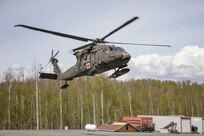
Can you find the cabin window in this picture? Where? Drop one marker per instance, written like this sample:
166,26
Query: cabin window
90,57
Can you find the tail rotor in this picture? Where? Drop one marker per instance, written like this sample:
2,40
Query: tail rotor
52,57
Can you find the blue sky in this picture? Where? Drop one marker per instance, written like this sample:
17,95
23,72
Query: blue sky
179,23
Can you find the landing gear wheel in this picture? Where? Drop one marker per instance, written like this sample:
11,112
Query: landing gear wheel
64,86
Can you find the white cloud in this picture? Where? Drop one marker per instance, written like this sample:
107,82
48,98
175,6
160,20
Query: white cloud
16,66
187,64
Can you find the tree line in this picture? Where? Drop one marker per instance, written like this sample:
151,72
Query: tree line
32,103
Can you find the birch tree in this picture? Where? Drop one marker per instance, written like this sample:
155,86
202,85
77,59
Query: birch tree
102,104
130,102
9,79
36,70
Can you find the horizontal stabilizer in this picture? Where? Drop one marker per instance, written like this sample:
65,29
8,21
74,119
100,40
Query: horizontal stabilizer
48,76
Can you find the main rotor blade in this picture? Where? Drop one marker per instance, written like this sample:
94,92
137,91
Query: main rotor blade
84,46
138,44
56,33
120,27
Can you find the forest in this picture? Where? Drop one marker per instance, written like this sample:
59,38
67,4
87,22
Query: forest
32,103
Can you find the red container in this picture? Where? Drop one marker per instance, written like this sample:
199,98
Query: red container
138,121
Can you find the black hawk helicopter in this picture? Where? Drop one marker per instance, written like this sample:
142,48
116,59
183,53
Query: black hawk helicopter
93,58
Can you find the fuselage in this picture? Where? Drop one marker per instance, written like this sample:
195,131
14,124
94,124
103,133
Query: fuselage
101,59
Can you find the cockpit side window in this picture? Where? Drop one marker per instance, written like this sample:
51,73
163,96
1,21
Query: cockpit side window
111,49
121,49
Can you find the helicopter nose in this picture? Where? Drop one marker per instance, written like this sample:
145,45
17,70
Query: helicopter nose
126,56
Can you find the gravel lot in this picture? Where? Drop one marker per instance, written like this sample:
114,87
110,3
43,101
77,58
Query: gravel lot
77,133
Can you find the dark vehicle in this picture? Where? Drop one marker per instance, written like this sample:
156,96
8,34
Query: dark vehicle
194,129
146,128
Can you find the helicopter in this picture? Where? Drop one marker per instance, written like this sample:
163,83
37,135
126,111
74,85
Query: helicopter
93,58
